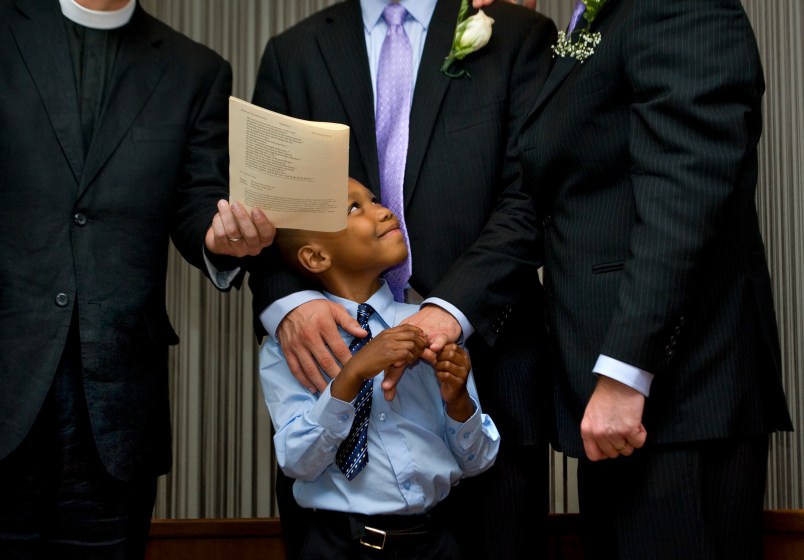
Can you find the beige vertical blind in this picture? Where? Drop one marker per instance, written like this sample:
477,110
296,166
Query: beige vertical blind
223,465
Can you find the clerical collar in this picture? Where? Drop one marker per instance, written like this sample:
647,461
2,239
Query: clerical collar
96,19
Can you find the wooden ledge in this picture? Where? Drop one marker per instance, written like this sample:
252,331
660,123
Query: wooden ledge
261,538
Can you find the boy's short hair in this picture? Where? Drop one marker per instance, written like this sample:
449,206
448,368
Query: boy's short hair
288,242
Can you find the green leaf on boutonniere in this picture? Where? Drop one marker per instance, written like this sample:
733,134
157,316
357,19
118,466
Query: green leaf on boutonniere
471,34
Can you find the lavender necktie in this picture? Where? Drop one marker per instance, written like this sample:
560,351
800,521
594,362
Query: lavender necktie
352,454
580,8
394,78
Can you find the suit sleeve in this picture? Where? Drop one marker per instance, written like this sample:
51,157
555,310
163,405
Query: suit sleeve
504,260
202,179
269,277
696,83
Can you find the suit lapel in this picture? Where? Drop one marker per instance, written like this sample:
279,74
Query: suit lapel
137,70
343,48
564,66
561,69
431,86
42,42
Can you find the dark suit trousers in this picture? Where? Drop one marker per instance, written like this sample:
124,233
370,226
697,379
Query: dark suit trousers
502,513
694,501
57,499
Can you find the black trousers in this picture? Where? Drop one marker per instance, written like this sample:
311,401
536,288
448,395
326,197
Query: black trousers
56,499
337,536
695,501
501,513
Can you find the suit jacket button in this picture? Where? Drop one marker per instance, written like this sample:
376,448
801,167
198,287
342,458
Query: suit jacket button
547,221
62,300
669,351
80,219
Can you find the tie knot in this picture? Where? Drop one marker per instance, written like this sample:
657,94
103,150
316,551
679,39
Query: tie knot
364,311
394,14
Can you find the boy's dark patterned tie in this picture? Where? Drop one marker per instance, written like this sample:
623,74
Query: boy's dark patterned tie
352,454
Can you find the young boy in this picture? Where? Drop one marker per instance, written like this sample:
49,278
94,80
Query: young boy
421,438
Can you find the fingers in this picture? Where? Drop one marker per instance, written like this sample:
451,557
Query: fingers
612,422
312,382
236,232
347,322
392,376
309,338
441,327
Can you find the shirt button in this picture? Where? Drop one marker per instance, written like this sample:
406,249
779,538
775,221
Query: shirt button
80,219
406,485
343,417
382,417
62,300
466,435
471,456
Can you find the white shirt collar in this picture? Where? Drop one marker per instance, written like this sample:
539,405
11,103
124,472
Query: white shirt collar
420,10
96,19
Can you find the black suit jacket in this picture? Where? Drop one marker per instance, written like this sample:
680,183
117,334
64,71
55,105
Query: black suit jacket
471,226
644,158
90,234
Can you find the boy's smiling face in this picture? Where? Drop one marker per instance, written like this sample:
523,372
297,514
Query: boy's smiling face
372,238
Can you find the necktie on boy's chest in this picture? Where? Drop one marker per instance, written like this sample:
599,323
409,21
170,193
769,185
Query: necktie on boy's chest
352,454
394,83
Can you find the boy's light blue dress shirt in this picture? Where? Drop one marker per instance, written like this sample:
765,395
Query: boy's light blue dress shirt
416,452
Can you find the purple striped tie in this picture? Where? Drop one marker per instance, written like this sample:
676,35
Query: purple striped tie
394,78
580,8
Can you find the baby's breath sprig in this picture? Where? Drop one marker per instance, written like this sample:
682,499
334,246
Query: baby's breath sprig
584,43
582,48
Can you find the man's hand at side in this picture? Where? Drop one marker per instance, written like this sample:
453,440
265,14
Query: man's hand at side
612,423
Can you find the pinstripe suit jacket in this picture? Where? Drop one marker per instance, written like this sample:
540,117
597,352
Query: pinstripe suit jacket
471,227
645,162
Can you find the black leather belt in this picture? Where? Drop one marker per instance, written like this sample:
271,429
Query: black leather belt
382,531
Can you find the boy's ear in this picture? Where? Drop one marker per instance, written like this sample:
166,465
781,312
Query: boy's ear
314,258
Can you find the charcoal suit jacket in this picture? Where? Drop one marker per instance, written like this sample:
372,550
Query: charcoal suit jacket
644,161
472,230
89,234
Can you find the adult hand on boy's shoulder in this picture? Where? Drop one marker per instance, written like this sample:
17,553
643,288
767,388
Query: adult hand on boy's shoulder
452,367
392,348
310,340
440,327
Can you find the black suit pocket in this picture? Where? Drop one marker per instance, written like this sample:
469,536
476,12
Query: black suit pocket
603,268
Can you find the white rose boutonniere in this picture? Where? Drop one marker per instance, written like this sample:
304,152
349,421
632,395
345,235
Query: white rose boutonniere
471,34
584,43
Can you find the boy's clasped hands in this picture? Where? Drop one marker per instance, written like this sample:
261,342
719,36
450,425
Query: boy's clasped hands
395,348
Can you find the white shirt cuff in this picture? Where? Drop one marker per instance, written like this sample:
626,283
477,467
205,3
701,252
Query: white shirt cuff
626,374
221,278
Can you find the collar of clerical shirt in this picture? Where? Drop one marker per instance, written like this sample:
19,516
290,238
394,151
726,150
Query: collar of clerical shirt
97,19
